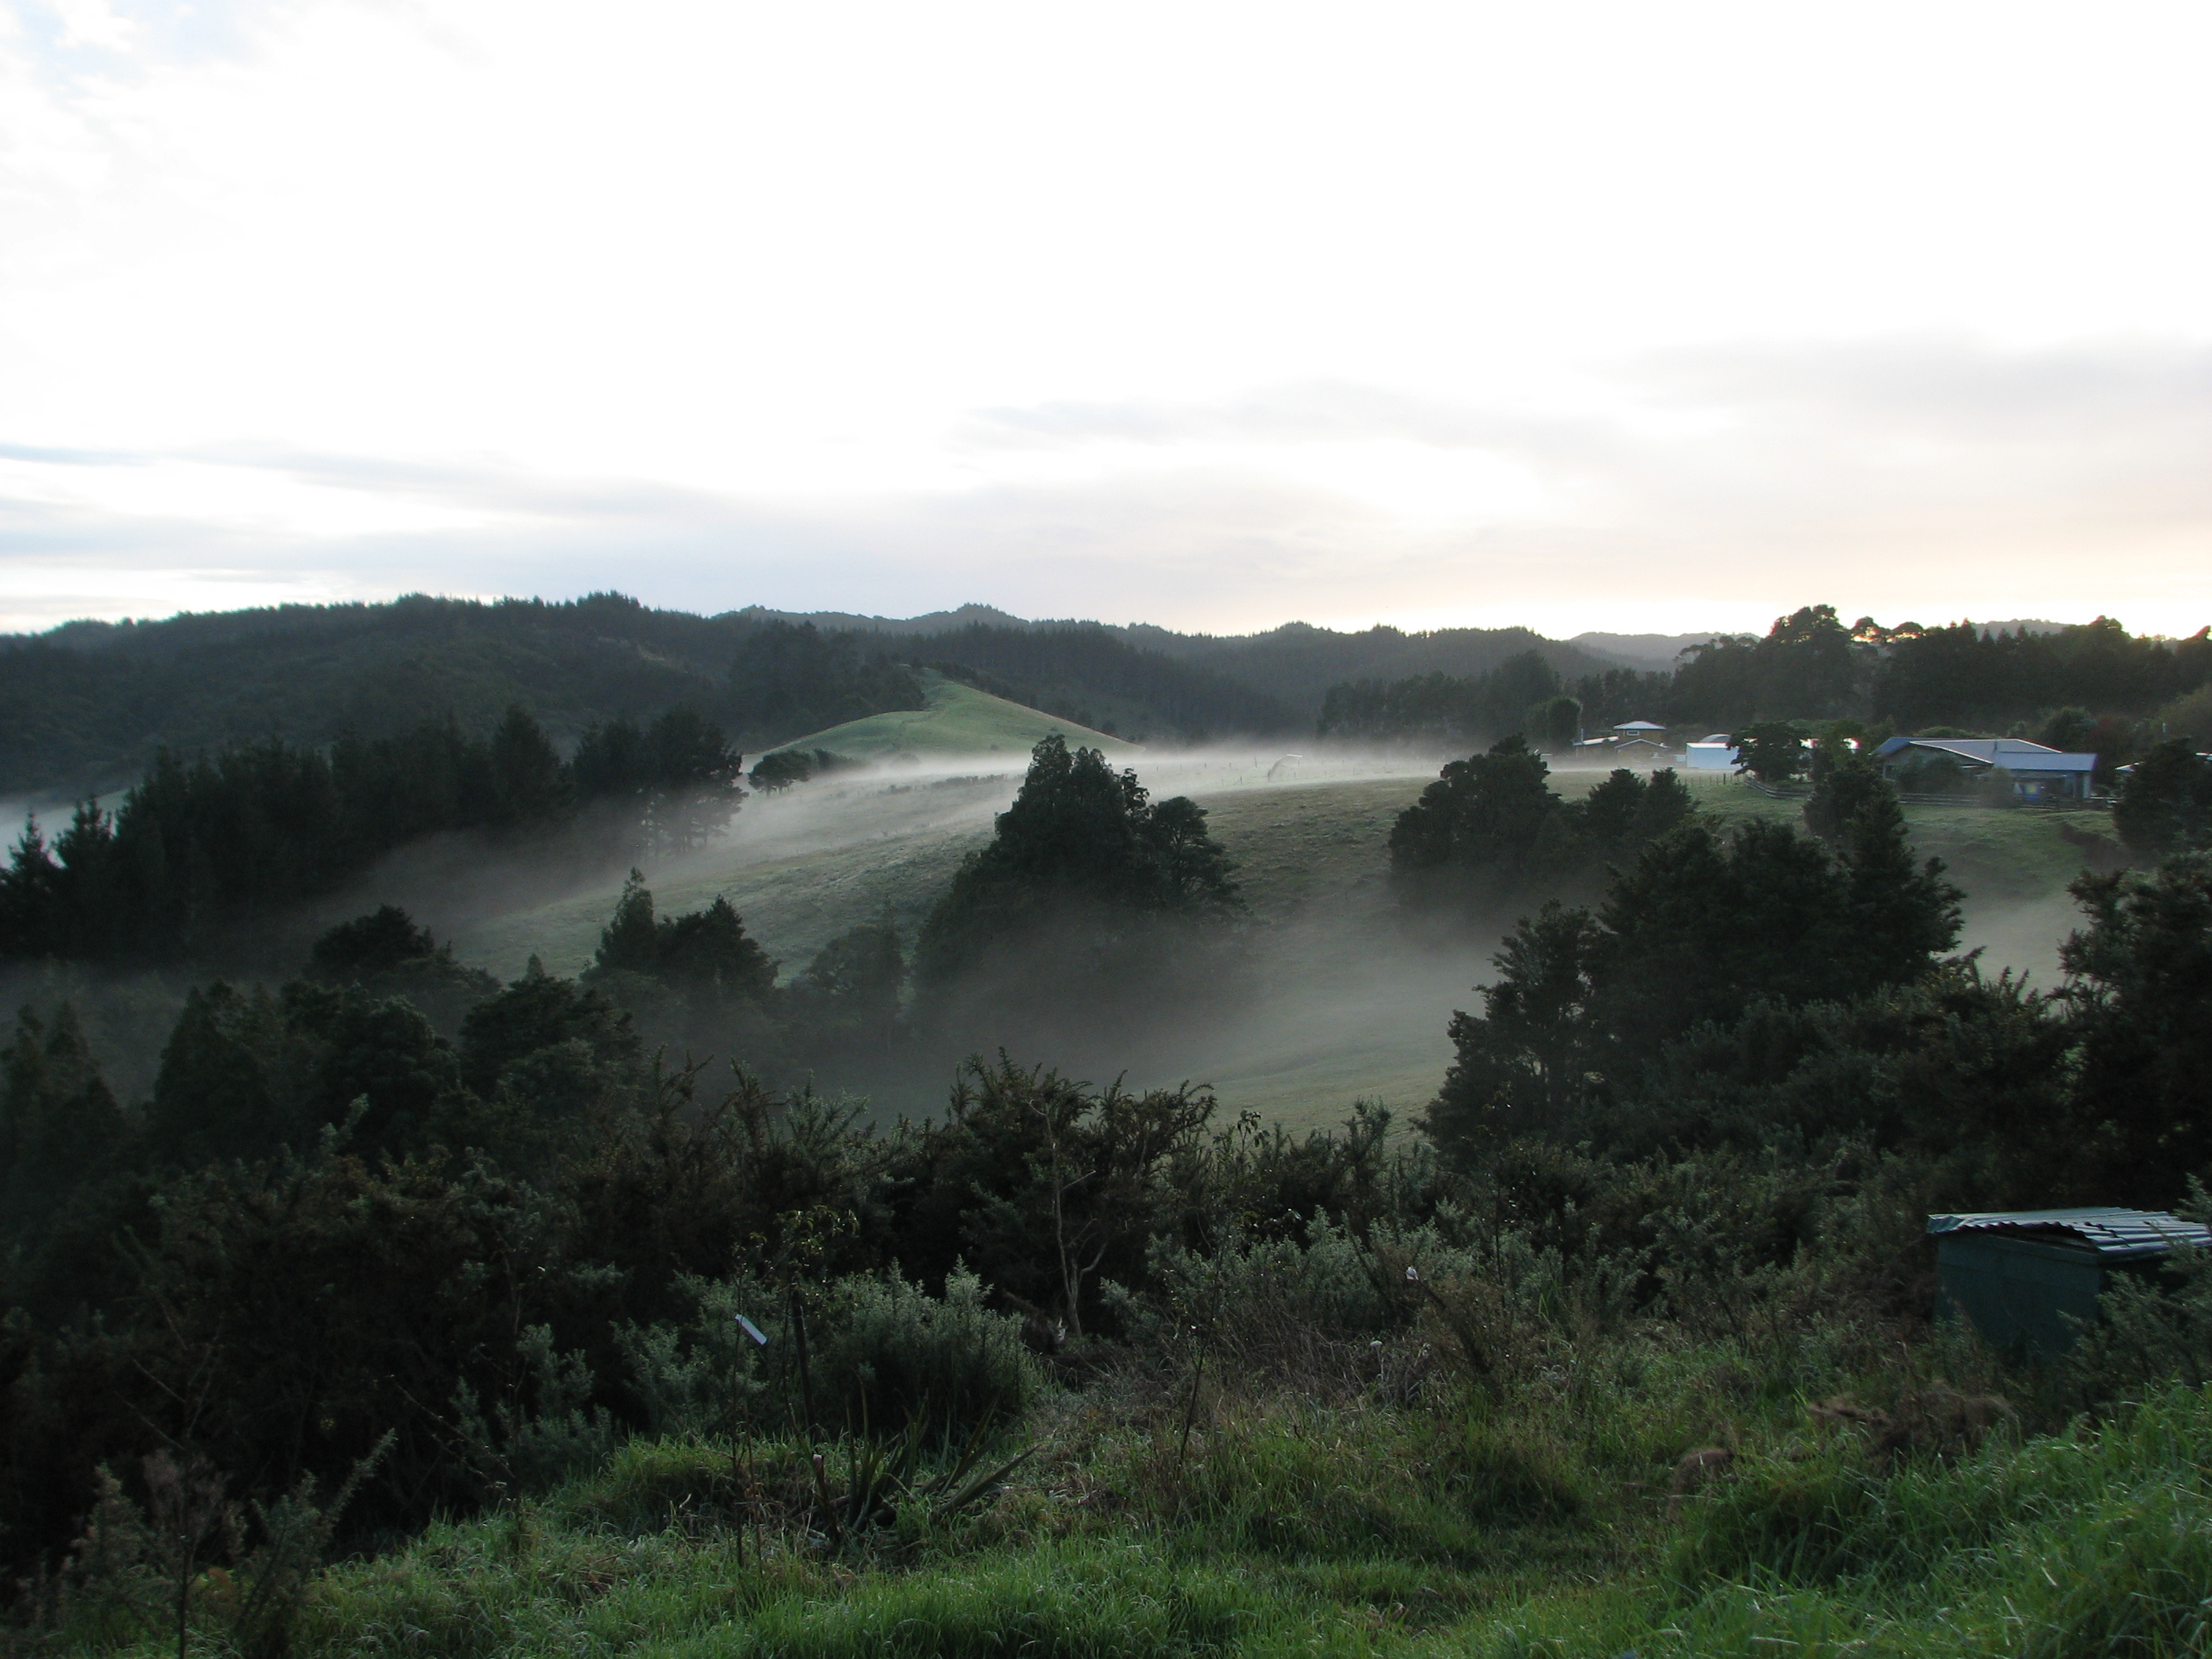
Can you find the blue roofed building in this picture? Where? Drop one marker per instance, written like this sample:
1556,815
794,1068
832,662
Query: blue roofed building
2034,771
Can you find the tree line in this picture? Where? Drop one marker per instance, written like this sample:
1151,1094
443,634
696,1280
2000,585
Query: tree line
1810,666
2086,686
203,848
92,703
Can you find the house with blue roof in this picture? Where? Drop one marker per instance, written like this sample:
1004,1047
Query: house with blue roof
2035,771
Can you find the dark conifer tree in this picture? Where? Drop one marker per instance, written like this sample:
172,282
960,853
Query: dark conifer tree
1700,930
527,779
1626,812
851,989
1845,783
2140,989
60,1127
2165,801
537,1013
221,1093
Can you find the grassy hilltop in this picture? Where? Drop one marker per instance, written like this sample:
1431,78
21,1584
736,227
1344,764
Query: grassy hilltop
959,719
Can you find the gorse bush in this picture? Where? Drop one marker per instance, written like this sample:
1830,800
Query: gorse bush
884,1358
890,1357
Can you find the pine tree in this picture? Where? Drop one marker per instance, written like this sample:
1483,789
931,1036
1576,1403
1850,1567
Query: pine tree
527,782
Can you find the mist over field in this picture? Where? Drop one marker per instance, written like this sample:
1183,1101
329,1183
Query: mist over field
1328,994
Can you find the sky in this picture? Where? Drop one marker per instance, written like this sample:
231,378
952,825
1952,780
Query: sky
1621,317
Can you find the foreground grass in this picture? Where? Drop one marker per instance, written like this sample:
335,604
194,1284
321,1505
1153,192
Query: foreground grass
1150,1519
1289,1528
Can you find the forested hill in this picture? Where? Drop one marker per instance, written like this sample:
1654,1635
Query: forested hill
1299,663
92,704
1293,665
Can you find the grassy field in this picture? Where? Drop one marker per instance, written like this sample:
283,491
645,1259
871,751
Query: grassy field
1351,1008
958,721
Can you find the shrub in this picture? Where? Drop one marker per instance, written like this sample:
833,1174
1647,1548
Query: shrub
886,1354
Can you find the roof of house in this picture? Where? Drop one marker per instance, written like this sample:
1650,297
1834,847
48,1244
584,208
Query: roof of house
1639,726
2009,753
2116,1234
2053,762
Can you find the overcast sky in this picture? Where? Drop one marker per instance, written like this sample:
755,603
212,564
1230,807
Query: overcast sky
1643,318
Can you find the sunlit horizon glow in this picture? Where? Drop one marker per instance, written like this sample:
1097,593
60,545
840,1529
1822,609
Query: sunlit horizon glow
1582,317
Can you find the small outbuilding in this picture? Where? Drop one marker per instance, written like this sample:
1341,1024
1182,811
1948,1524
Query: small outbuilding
1632,740
2029,1280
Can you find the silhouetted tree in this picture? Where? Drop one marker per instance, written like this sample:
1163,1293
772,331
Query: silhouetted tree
2164,804
1845,783
1490,819
850,991
701,951
1693,934
1627,811
1773,751
1078,836
2139,985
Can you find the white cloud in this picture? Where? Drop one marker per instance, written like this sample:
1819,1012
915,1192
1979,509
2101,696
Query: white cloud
94,23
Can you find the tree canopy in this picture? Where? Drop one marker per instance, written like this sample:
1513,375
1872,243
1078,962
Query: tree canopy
1697,931
1079,836
1490,827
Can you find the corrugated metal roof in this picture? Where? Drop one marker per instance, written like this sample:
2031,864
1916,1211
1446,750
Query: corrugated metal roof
2052,762
2117,1235
1980,748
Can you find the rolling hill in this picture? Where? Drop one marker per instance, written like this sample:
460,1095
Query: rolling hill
958,719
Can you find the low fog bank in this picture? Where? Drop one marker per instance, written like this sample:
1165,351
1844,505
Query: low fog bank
1322,997
1333,1000
1334,1009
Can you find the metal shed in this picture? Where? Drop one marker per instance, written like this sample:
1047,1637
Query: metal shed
2025,1276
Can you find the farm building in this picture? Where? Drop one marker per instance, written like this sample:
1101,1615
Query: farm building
1630,740
1716,752
2034,771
